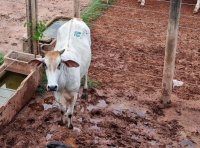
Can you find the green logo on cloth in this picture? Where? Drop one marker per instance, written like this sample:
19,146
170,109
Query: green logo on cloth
77,34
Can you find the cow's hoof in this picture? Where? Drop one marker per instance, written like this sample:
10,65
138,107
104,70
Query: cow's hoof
195,12
70,126
85,94
61,123
141,5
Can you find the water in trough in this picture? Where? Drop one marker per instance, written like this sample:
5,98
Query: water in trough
9,83
51,31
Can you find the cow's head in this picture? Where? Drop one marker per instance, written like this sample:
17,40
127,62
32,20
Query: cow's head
53,64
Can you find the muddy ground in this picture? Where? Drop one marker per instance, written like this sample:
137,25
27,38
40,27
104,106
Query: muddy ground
128,45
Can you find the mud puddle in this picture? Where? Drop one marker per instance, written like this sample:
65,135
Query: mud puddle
95,124
100,104
47,103
134,137
153,142
121,108
188,143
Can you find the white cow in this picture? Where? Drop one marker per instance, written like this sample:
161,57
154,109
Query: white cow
67,64
197,6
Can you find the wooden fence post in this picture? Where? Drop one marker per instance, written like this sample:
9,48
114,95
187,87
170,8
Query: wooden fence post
31,14
170,50
28,19
76,12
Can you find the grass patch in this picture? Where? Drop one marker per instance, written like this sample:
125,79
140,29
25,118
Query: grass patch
41,89
94,9
1,58
91,83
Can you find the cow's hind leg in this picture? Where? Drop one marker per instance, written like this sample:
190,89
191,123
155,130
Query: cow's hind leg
62,111
85,88
142,2
197,6
70,110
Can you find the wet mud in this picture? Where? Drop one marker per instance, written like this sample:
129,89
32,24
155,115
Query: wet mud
125,111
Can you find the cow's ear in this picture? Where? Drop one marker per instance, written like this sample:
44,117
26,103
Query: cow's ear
70,63
36,62
62,51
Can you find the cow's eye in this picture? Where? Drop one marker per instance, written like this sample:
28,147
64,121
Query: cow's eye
59,65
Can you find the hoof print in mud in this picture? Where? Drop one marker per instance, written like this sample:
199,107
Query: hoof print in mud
96,113
31,120
85,94
167,105
61,123
57,144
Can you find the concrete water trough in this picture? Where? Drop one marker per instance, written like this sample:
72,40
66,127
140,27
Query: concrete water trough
48,42
18,82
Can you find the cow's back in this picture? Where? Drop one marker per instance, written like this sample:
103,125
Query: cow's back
74,37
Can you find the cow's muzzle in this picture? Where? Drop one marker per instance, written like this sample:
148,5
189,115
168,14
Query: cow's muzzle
52,87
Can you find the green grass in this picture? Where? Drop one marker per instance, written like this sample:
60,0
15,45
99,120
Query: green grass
42,84
94,9
91,83
1,58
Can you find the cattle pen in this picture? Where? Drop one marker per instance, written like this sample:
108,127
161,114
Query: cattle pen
128,52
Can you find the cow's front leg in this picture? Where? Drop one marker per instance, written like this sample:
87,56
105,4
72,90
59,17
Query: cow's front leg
62,105
62,111
70,110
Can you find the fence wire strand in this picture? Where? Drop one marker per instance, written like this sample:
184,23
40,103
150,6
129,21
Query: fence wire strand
133,30
141,21
145,10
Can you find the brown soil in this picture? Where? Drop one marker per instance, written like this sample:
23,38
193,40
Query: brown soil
125,111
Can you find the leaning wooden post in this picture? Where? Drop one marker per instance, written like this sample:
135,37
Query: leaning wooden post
28,19
31,11
76,12
170,50
34,23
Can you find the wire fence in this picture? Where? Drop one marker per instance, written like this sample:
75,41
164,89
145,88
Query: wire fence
141,21
146,10
139,29
110,35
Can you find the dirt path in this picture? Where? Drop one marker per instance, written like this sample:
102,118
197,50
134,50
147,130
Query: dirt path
125,111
